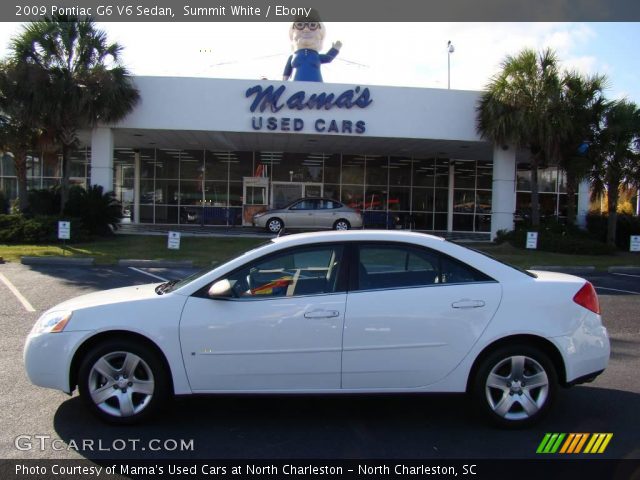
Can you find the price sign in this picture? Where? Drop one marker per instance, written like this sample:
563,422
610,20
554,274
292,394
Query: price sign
173,242
532,240
64,230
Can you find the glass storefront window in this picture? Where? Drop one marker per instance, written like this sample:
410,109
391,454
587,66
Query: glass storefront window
423,172
167,164
191,165
399,198
399,171
52,165
215,194
215,166
353,169
240,165
377,171
484,177
332,169
191,192
423,199
442,173
8,167
464,201
351,196
167,192
442,200
464,174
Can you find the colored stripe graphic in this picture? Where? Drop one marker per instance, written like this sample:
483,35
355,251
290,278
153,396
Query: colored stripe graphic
574,443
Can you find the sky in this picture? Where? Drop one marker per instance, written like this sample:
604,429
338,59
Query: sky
396,54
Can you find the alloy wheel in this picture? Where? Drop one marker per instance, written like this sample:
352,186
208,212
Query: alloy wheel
121,384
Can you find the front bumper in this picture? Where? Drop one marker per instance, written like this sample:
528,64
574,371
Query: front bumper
47,358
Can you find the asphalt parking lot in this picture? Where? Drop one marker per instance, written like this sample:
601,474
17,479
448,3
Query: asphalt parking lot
41,423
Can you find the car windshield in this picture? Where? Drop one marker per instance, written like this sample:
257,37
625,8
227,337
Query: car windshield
176,284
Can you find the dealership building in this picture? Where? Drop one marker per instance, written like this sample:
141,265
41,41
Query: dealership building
213,152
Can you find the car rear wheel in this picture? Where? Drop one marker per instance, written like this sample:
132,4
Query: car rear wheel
515,386
274,225
123,382
342,224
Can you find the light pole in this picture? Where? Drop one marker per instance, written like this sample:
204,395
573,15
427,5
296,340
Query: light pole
450,50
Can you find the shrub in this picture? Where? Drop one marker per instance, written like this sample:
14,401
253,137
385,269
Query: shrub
39,229
99,212
4,204
44,202
559,238
626,226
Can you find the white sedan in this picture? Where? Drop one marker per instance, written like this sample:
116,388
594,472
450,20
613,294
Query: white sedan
332,312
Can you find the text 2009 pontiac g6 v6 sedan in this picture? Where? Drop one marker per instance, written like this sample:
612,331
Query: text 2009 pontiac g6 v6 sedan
333,312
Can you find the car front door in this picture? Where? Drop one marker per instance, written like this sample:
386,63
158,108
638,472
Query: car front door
412,317
280,329
302,214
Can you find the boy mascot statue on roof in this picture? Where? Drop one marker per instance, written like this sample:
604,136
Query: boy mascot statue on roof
306,35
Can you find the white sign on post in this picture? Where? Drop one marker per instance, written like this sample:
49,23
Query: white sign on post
174,241
64,230
634,244
532,240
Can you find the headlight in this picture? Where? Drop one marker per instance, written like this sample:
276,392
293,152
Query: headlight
51,322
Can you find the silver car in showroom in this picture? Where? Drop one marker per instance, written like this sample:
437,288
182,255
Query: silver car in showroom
310,213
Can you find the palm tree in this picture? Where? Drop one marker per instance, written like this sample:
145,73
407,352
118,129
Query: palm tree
518,107
617,145
19,132
579,114
85,83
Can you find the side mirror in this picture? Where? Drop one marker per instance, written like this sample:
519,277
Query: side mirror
220,289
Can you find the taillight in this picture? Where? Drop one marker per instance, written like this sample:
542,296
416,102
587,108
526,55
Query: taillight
587,298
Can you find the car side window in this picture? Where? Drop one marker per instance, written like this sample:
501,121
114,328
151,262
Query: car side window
305,205
383,266
398,266
301,271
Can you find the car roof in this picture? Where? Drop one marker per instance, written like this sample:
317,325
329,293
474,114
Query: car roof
359,235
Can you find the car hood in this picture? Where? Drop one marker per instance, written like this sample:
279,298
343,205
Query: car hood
106,297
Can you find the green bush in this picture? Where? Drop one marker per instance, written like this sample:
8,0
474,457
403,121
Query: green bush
44,201
99,212
558,238
4,204
626,226
39,229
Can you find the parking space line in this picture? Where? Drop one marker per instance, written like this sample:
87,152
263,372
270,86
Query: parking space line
626,275
149,274
618,290
25,303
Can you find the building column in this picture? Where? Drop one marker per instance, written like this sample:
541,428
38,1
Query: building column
503,195
102,158
584,197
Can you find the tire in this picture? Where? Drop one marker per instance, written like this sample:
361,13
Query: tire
274,225
342,224
512,399
119,393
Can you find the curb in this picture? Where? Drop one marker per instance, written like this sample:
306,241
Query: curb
560,269
55,260
629,270
156,263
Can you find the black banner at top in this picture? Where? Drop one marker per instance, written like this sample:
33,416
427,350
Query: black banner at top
330,10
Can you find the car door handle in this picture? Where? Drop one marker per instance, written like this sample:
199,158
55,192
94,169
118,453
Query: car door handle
321,314
468,304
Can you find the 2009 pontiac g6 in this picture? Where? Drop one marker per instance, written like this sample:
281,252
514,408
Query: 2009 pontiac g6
332,312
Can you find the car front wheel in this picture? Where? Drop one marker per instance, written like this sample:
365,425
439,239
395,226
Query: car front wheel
123,382
274,225
515,386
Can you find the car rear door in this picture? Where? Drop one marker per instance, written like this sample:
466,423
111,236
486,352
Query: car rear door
412,316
